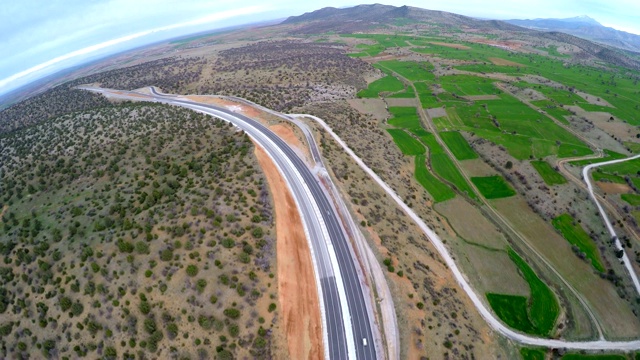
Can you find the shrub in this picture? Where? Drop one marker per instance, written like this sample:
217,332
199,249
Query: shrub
232,313
192,270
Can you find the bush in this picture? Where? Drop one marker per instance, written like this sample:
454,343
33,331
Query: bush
232,313
192,270
166,255
65,303
77,309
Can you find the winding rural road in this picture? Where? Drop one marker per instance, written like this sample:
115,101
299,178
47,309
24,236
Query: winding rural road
605,218
347,325
484,311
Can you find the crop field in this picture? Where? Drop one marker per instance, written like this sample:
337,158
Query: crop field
466,85
458,145
512,309
407,144
438,190
575,234
610,155
549,174
408,93
405,117
410,70
631,199
493,187
386,84
598,175
631,167
425,94
442,164
536,315
515,126
532,354
577,356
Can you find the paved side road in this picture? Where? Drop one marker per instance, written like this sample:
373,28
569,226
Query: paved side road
605,217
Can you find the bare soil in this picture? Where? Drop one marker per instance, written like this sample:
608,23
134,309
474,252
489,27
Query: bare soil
503,62
286,133
374,107
593,99
450,45
470,224
614,188
602,120
297,291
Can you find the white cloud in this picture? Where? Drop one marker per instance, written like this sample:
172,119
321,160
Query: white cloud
51,65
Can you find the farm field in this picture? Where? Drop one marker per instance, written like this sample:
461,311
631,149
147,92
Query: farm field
549,174
404,117
386,84
631,199
407,144
575,234
438,190
536,315
493,187
458,145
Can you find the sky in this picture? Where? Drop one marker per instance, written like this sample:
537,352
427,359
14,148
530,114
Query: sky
41,37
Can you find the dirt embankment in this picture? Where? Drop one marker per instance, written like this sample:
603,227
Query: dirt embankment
297,291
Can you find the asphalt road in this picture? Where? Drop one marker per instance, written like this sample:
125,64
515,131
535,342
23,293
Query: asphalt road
346,321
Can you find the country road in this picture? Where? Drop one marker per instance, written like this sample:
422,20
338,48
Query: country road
484,311
605,217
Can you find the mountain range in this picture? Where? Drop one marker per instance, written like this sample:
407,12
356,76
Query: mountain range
584,27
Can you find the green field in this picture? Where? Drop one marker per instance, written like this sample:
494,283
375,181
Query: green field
386,84
407,144
410,70
598,175
458,145
438,191
512,309
532,354
536,315
632,199
493,187
594,357
609,155
575,234
467,85
442,163
549,174
631,167
404,117
425,94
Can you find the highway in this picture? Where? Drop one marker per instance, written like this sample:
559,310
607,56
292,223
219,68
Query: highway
347,325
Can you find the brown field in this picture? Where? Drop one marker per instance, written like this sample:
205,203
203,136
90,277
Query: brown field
616,128
297,292
482,97
503,62
477,167
437,112
374,107
470,224
614,188
613,313
402,102
593,99
450,45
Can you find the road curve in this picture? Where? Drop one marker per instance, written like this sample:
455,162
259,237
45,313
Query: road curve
605,217
489,317
346,322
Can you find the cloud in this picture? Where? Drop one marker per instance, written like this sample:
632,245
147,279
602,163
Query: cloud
49,66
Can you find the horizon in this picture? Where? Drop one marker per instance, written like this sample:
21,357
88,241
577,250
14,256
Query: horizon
109,28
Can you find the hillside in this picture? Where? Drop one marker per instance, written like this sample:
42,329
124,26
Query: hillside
584,27
119,240
368,17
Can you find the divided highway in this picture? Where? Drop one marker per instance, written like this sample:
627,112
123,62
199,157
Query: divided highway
347,325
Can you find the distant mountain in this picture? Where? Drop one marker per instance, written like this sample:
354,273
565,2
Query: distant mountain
587,28
367,17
